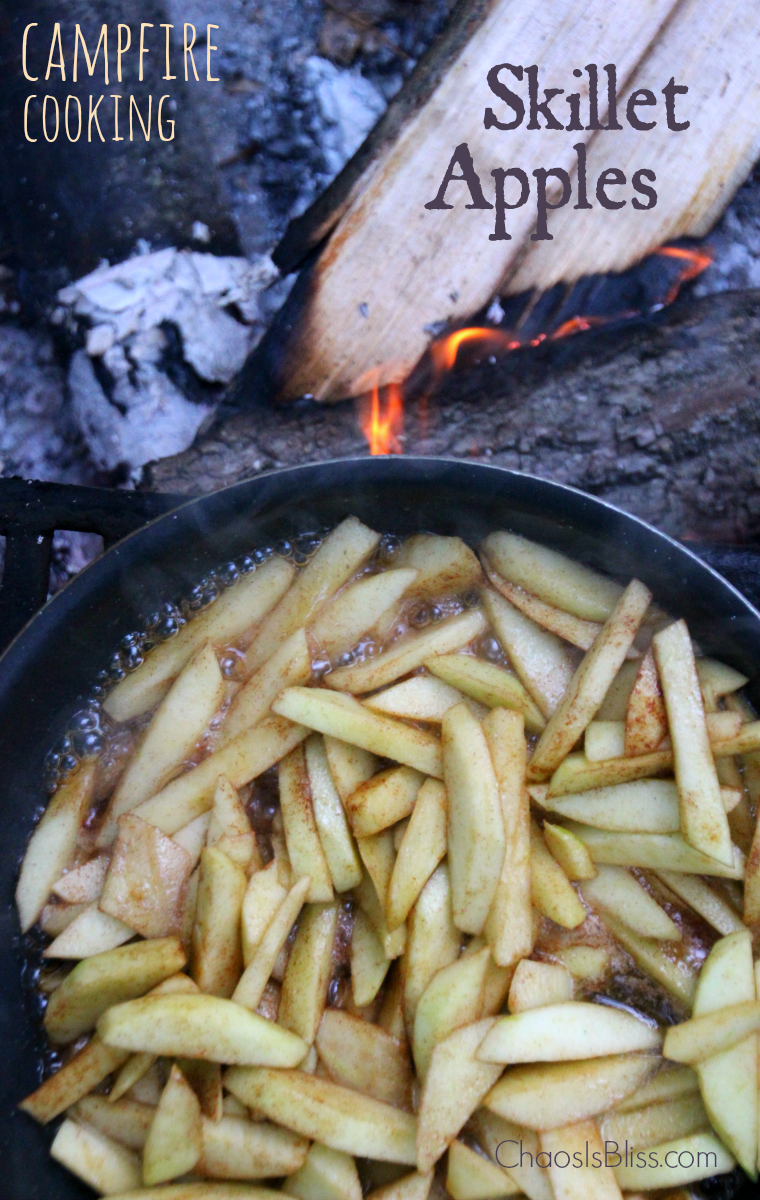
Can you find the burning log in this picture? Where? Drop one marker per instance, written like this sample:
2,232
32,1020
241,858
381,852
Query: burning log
398,264
661,417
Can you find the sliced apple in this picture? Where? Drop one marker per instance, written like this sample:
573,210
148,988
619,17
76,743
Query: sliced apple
562,1032
552,1095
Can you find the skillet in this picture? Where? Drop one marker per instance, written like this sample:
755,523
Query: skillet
49,669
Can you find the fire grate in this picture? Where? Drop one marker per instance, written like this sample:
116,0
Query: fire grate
31,512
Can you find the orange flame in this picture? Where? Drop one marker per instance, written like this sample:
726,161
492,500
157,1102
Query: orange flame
383,416
383,421
696,261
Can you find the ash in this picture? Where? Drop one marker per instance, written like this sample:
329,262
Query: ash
736,242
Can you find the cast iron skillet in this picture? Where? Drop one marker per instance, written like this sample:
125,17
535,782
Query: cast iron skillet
47,671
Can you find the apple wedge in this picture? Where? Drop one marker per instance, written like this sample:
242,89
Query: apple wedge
229,829
729,1080
551,890
325,1175
562,1032
570,628
388,797
503,1142
237,1148
589,684
349,765
604,740
421,698
646,719
147,879
661,1167
253,981
343,717
654,851
433,941
52,843
175,1138
454,997
289,666
444,565
552,1095
643,806
126,1121
409,654
341,554
540,658
217,959
509,924
264,895
307,975
552,576
617,892
488,684
472,1176
456,1082
170,739
536,984
703,816
567,849
656,1123
365,1057
358,609
422,848
334,834
704,900
369,966
337,1117
594,1180
241,760
76,1078
110,978
476,826
221,624
91,932
99,1161
301,833
199,1026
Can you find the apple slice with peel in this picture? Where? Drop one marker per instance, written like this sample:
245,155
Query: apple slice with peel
175,1138
565,1032
455,1085
552,1095
472,1176
729,1081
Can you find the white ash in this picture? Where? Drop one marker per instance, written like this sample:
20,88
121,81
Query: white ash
736,243
349,105
187,289
138,391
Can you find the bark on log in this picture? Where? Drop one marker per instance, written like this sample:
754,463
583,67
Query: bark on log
392,269
661,418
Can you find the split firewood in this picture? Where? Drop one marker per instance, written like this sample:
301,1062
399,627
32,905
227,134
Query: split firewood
393,271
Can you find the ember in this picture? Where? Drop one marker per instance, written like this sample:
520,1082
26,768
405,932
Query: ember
382,409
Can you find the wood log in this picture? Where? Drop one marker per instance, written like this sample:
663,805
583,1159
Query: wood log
392,271
661,417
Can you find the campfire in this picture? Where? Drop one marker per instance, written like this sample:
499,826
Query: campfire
381,412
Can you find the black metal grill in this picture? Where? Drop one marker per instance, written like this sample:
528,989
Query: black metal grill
31,512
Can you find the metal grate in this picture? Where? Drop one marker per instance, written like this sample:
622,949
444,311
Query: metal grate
31,512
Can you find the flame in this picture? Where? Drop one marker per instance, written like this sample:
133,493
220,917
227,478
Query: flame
383,421
696,261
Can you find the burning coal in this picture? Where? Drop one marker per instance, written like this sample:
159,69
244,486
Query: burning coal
531,320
